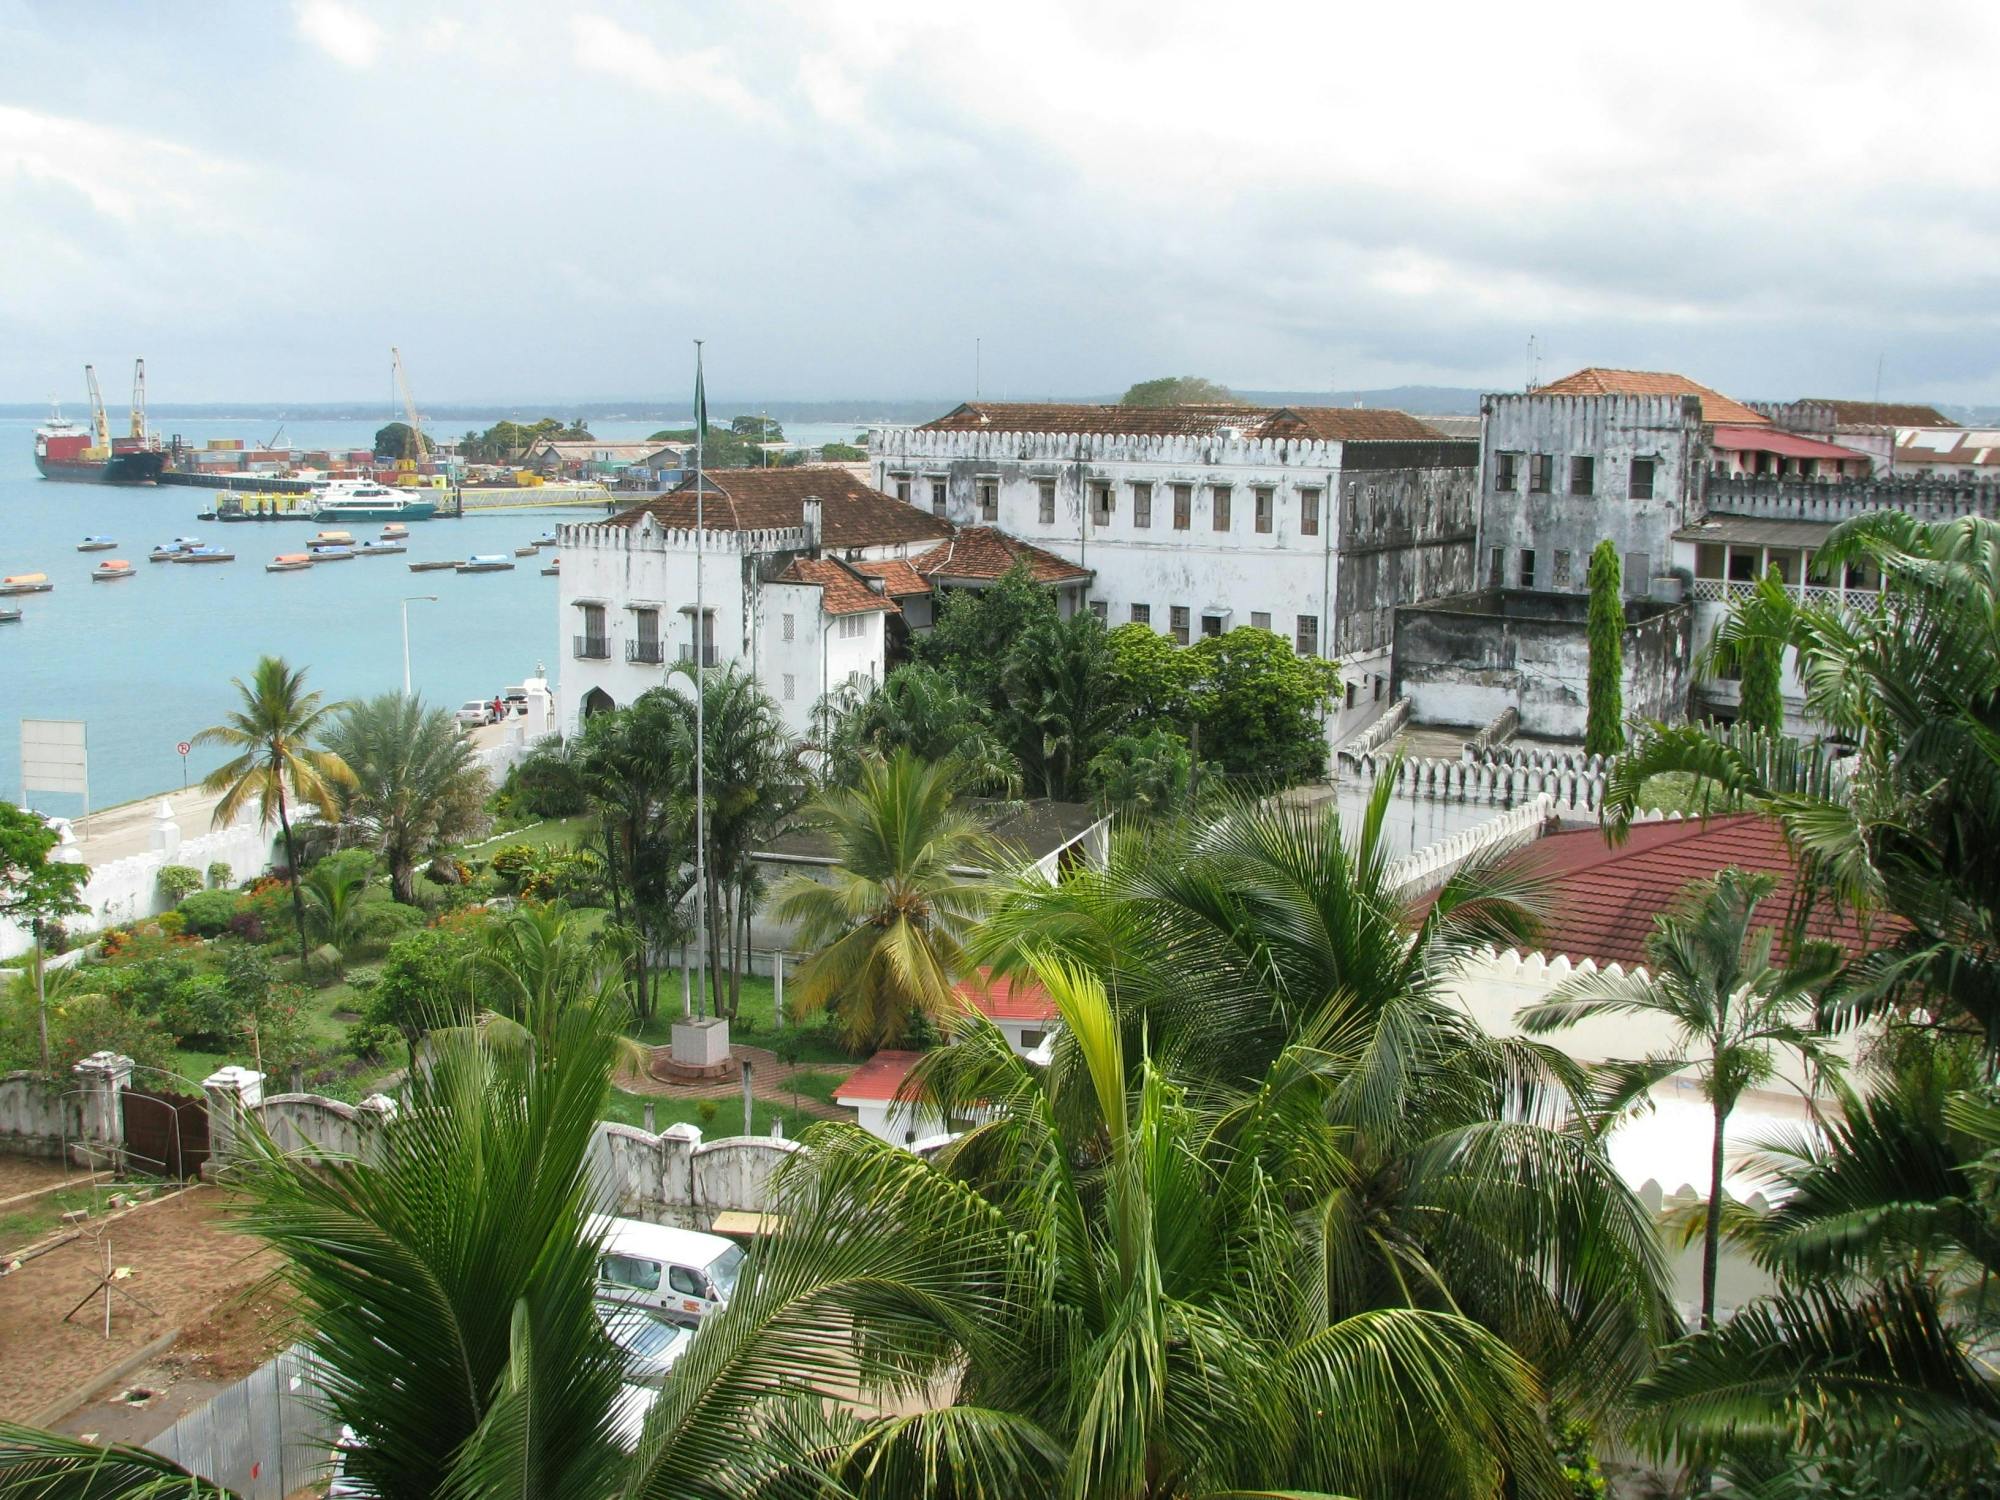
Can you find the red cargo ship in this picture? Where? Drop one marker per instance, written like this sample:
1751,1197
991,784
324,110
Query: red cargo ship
63,451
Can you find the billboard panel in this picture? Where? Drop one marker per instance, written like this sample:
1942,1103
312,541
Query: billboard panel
54,758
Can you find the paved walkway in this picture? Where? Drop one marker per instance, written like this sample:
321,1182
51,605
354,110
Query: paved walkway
127,829
770,1080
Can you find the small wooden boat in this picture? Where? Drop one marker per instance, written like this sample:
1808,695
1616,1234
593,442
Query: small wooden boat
205,555
331,539
437,567
289,562
10,617
395,531
527,551
487,562
333,554
34,583
383,548
95,544
554,568
546,539
104,572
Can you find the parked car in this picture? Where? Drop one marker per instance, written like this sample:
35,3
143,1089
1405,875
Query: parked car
476,713
650,1344
677,1274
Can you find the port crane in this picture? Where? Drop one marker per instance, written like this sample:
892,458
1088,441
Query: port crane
100,429
139,400
416,423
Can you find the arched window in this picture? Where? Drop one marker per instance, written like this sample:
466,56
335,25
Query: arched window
596,702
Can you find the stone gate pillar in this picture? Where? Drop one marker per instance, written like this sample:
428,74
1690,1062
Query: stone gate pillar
231,1091
103,1078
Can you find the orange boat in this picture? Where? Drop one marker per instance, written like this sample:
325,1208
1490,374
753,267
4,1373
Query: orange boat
289,562
117,567
25,583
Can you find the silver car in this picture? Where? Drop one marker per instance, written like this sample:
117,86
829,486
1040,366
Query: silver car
650,1345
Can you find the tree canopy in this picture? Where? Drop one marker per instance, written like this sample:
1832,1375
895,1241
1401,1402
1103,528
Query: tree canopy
399,440
1179,390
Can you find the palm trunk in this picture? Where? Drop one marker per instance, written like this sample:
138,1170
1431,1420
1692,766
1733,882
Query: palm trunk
1711,1242
298,891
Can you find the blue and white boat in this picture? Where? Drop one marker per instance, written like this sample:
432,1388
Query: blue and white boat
487,562
96,544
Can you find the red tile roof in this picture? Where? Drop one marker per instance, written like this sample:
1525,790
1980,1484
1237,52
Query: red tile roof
852,514
1005,998
900,580
1715,407
1604,898
1881,413
984,553
1338,424
1788,444
879,1079
842,590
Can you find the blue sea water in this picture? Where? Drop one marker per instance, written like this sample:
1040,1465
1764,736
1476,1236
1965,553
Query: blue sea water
147,661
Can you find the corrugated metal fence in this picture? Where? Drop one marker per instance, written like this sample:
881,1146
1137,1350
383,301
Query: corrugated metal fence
264,1437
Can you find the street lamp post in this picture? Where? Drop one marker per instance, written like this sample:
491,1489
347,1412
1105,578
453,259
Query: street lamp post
408,600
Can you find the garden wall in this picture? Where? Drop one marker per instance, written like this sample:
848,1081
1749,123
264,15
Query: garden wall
677,1178
37,1117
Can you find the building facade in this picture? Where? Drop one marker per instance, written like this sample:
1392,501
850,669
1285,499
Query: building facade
783,592
1309,522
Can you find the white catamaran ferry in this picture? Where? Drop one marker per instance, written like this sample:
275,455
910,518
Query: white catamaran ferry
365,500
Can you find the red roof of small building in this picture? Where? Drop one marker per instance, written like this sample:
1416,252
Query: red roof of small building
1596,381
878,1080
1335,424
1603,898
984,553
852,514
1786,444
899,579
1006,998
841,590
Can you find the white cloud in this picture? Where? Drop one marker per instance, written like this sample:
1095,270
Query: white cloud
603,46
122,174
341,32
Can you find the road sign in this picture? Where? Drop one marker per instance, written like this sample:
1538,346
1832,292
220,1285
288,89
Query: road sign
184,747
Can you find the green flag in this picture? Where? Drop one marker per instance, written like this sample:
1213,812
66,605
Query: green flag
700,396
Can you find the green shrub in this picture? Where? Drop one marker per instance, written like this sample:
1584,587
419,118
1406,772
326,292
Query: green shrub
172,923
372,1041
79,1024
707,1109
202,1012
421,983
514,866
207,913
390,919
175,881
219,875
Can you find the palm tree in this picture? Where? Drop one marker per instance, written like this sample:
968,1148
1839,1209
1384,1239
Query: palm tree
1898,808
1181,1302
537,963
274,730
1730,1006
416,786
890,924
1063,699
920,709
333,894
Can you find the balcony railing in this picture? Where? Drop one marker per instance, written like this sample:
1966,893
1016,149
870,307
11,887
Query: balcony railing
1727,591
650,652
592,648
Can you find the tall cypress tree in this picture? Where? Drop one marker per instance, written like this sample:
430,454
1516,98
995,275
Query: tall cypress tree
1759,704
1604,729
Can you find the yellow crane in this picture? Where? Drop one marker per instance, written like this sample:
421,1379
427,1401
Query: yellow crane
99,427
408,464
139,399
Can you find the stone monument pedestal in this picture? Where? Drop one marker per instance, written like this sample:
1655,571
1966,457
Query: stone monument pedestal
700,1050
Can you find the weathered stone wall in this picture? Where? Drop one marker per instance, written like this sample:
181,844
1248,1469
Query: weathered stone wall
37,1117
313,1124
676,1178
1464,660
1406,536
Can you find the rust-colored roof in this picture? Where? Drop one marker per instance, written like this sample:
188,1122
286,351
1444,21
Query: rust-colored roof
1006,999
985,552
852,514
1786,444
899,579
1604,897
1595,381
879,1079
1346,424
842,591
1324,423
1881,413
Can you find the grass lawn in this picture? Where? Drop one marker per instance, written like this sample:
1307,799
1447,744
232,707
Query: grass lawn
754,1023
550,833
27,1223
1678,791
630,1109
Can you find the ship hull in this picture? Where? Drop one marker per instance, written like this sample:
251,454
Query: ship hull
121,468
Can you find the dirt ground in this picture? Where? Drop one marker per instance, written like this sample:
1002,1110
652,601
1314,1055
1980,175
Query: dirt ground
26,1174
183,1265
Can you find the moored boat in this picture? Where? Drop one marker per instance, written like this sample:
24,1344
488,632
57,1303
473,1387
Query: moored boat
96,544
365,500
395,531
546,539
112,568
528,551
289,562
379,549
333,554
204,555
487,562
440,566
10,617
554,568
331,539
25,583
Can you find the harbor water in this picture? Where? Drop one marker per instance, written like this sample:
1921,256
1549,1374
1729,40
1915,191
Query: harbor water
146,661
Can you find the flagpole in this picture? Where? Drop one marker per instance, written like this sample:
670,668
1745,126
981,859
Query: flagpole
700,697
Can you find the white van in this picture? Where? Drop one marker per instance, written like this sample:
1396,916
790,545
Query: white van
677,1274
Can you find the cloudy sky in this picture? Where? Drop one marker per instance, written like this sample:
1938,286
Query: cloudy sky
541,200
